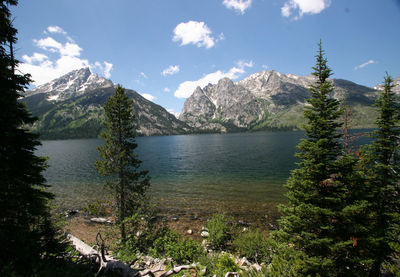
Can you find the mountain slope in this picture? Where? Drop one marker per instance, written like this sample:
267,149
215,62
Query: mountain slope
267,99
72,107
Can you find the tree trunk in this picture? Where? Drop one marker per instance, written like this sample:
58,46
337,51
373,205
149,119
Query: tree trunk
107,263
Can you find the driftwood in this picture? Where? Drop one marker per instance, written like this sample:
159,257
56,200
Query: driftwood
107,263
176,270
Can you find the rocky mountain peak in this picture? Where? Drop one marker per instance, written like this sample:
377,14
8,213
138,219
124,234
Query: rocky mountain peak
72,84
266,99
396,83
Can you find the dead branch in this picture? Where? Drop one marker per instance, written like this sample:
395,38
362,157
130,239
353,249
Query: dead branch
107,263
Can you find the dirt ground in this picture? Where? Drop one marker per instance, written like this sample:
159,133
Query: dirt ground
81,227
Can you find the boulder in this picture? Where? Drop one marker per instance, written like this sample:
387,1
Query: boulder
101,220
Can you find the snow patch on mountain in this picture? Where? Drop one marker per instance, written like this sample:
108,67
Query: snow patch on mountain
73,84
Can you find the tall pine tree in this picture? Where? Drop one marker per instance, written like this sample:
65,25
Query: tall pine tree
26,232
313,221
118,159
381,166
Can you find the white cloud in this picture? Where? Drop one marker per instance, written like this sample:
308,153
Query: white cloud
173,112
221,37
35,58
48,44
265,67
186,89
170,70
149,97
303,7
364,64
143,75
44,69
167,90
104,69
56,30
193,32
239,5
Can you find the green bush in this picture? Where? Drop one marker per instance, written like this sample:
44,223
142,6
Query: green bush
254,245
288,261
173,245
97,208
226,264
221,231
218,265
142,229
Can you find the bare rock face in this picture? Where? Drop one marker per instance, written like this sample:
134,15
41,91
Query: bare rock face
72,84
260,100
221,107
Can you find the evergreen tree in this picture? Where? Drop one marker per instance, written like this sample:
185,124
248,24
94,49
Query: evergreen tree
381,165
316,220
26,232
118,159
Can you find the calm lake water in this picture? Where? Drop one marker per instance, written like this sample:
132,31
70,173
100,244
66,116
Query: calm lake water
240,173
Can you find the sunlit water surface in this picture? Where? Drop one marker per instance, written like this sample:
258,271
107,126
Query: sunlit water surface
242,173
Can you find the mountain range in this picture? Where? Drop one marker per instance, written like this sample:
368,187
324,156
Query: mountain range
72,106
269,100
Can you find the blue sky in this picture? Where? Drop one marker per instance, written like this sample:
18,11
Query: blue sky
163,49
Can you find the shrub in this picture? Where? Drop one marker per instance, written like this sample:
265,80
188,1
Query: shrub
254,245
220,231
97,208
288,261
226,263
173,245
218,265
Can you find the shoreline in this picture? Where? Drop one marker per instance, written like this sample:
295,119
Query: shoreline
78,222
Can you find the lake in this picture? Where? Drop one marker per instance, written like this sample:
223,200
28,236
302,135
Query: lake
240,173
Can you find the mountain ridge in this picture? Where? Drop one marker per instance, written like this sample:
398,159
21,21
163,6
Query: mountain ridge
71,106
267,100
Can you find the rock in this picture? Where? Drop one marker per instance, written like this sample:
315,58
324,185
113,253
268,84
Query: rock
147,260
257,267
189,232
174,219
244,223
204,234
204,229
101,220
70,213
272,226
243,262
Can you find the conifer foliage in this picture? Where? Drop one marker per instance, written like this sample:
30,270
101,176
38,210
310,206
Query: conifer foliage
26,233
381,166
310,221
118,159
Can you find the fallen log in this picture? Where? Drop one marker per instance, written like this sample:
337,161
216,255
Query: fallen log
176,270
107,263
